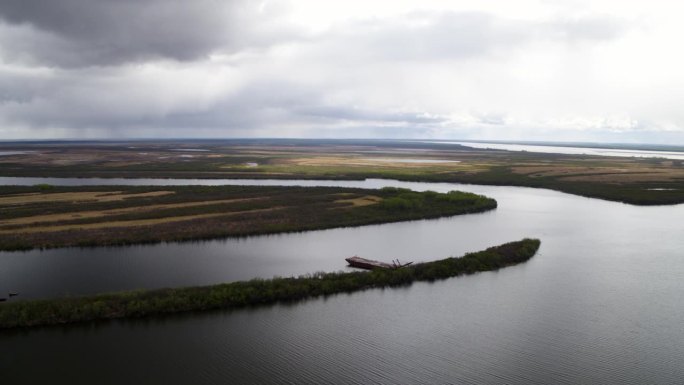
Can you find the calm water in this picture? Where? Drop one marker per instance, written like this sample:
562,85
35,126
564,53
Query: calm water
574,150
412,160
600,303
7,153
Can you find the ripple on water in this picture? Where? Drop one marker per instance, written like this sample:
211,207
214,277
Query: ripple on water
600,303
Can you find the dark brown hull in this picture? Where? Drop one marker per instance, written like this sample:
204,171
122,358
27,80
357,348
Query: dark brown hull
367,264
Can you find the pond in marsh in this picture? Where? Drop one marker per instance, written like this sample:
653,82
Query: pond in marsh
600,303
621,152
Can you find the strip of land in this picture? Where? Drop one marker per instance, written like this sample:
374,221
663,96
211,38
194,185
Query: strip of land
255,292
640,181
49,216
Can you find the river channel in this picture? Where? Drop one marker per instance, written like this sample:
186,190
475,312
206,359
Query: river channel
600,303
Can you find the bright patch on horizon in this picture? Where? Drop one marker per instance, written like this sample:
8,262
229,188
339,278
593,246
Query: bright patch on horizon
602,71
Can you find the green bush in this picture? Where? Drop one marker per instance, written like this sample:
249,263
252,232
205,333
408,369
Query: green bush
254,292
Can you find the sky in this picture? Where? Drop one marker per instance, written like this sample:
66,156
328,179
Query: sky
552,70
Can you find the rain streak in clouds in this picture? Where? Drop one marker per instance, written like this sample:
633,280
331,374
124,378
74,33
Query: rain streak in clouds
544,70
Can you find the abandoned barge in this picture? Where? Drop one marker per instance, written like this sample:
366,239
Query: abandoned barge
369,264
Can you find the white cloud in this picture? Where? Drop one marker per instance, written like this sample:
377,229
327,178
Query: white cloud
531,69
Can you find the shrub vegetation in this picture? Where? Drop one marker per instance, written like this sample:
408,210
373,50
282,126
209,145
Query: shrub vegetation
204,212
255,292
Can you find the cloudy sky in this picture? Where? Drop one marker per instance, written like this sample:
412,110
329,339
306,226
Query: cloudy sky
567,70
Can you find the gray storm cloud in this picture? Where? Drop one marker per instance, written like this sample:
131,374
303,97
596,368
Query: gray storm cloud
246,68
73,33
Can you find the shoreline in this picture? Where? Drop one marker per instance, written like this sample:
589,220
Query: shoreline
256,292
91,216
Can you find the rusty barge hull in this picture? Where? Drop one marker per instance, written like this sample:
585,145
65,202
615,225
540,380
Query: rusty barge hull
367,264
370,264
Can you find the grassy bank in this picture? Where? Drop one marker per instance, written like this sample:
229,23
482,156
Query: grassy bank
48,216
254,292
640,181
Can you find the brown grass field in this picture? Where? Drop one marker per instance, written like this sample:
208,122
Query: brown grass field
107,196
131,223
44,216
631,180
104,213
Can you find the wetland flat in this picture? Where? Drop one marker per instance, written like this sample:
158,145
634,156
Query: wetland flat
636,180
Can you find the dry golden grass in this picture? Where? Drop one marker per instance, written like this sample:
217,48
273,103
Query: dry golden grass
382,163
104,213
55,158
537,171
123,164
349,160
618,173
138,222
82,196
101,157
661,176
361,201
319,161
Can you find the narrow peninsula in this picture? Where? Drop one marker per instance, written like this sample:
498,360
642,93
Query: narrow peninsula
255,292
47,216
